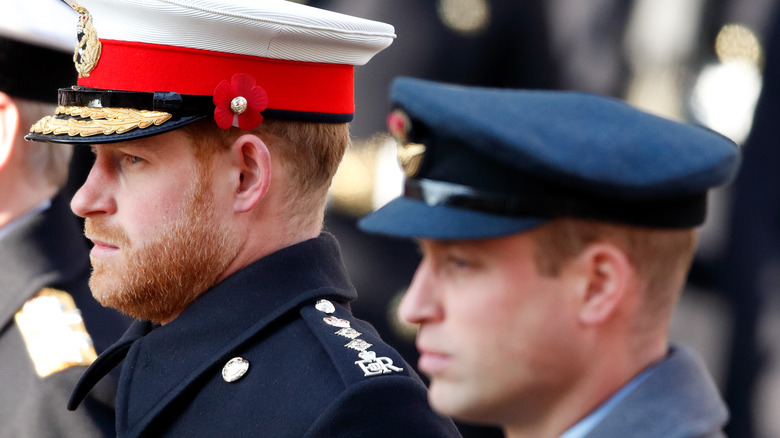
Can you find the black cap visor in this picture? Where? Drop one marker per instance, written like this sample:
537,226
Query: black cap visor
411,218
96,116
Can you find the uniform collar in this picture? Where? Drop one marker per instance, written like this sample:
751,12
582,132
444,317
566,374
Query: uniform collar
584,426
678,398
164,361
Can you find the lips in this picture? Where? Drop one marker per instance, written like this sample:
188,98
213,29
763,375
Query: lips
102,243
101,247
431,361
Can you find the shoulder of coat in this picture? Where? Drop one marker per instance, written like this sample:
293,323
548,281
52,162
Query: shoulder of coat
355,349
54,332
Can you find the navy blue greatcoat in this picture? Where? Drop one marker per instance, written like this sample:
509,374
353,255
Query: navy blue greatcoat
306,377
49,250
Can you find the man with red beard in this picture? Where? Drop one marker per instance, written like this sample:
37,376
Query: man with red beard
216,128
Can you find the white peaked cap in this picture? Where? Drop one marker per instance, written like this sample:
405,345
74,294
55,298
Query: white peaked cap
185,60
276,29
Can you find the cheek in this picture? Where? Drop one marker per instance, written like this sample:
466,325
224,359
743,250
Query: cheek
483,312
150,211
513,314
542,328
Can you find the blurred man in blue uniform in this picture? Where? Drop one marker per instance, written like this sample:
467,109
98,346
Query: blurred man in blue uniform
556,230
50,326
216,128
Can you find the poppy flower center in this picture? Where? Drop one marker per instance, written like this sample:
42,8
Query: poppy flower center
238,105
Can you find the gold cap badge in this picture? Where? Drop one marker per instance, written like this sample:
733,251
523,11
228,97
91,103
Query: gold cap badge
88,47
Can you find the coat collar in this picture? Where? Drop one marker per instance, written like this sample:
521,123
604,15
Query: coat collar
678,398
46,249
166,360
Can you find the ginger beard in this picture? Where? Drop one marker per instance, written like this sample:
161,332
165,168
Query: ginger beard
157,279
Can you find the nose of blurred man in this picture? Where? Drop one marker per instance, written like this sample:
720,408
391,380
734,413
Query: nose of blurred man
421,302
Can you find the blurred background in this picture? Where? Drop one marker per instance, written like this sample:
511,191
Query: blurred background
709,62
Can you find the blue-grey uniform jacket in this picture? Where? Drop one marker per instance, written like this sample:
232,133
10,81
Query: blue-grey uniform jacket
311,368
677,400
48,251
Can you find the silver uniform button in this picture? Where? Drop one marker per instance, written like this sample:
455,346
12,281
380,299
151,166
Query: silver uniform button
235,369
325,306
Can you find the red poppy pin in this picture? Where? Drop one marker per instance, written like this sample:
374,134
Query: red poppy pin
398,125
410,155
239,102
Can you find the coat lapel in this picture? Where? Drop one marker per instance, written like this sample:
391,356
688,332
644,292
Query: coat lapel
162,365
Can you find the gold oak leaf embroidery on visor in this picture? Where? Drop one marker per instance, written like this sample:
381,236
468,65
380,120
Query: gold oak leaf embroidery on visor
93,121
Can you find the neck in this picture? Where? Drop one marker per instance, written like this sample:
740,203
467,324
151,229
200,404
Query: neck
261,238
606,372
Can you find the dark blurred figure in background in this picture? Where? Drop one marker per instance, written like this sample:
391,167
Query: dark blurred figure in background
50,326
744,270
501,43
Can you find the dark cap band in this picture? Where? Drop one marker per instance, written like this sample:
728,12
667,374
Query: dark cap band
179,104
682,212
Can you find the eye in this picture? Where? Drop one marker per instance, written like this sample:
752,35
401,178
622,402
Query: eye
132,159
460,262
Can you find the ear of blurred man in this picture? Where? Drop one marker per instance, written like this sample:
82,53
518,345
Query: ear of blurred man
607,275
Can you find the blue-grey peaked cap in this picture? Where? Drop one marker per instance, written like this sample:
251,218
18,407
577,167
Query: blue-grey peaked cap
500,161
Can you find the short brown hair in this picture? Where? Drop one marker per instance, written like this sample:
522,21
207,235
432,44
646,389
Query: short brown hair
661,257
311,153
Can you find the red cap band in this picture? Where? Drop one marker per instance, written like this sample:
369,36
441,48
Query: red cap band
291,85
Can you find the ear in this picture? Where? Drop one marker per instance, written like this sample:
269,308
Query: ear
607,272
253,161
9,127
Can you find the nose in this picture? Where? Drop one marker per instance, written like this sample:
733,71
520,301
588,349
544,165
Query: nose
421,302
94,197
